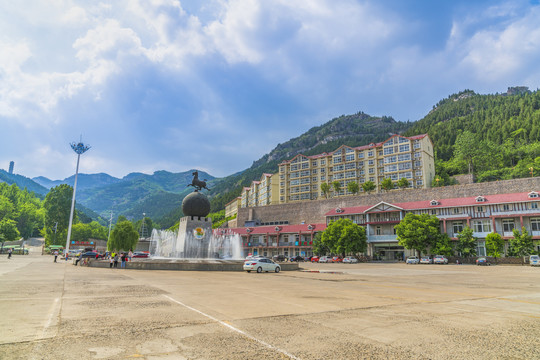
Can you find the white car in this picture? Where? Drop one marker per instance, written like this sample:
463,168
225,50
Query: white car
440,259
350,260
261,265
426,260
325,259
534,260
412,260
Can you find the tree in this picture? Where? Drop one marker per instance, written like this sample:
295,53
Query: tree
345,237
6,208
353,187
318,247
467,243
325,188
418,232
368,186
443,246
387,184
494,245
403,183
57,207
337,187
123,237
8,229
465,148
521,245
30,219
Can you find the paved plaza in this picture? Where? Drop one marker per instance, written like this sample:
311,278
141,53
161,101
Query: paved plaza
329,311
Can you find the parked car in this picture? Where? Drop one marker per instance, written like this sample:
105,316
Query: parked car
278,257
325,259
92,254
412,260
482,261
534,260
140,255
296,258
426,260
337,259
440,259
314,259
350,260
261,265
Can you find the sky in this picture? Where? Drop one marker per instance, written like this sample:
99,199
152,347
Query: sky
214,84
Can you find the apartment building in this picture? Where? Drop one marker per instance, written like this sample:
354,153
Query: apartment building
398,157
231,209
261,192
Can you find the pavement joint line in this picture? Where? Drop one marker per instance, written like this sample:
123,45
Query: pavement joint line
52,311
223,323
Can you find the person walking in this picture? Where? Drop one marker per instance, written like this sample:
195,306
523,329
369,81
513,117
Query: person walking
115,261
123,258
130,255
110,262
55,255
9,252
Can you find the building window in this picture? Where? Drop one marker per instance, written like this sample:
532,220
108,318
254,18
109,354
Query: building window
505,207
378,230
370,153
479,209
482,226
534,205
404,148
508,225
457,211
535,224
371,162
458,227
323,162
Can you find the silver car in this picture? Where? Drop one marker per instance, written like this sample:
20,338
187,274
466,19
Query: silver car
534,260
412,260
440,259
350,260
261,265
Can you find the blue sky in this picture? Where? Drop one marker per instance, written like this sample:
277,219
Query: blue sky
214,85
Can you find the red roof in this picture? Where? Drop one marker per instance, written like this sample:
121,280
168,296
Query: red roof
283,229
443,203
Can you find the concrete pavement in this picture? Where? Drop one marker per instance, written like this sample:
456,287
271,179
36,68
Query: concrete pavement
333,311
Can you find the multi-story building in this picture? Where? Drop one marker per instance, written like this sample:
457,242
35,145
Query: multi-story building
231,209
501,213
398,157
260,193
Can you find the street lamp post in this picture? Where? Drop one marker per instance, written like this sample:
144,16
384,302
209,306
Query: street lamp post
80,149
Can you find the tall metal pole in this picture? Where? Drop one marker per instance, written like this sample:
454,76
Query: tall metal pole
79,148
110,225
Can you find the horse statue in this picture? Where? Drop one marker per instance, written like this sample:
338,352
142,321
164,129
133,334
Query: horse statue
196,183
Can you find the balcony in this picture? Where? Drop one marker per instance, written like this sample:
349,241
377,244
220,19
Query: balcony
382,238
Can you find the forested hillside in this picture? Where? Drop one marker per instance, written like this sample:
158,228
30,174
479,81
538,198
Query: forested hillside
353,130
496,136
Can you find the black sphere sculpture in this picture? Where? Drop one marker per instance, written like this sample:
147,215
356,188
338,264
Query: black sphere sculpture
196,204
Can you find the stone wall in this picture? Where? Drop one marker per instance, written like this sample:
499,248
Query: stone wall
464,179
313,211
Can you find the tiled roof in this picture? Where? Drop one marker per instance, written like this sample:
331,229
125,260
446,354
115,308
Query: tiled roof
283,229
442,203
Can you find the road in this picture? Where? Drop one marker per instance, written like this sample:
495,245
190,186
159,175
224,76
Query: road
329,311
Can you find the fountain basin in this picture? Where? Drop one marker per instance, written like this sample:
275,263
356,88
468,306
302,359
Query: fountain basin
185,264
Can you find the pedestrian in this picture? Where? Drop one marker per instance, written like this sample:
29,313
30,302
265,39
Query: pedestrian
66,255
55,255
79,259
123,258
115,261
110,262
10,250
130,255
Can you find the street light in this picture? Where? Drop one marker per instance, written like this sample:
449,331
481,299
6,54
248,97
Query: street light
80,149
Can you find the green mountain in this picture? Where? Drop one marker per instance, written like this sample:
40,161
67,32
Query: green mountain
505,131
23,182
353,130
